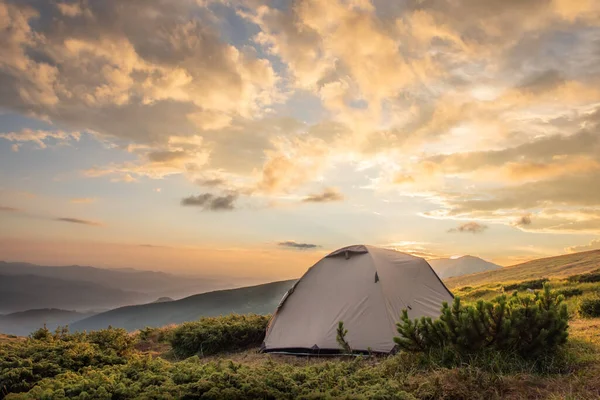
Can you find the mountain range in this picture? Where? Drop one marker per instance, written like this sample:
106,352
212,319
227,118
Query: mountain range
24,322
25,292
155,284
259,299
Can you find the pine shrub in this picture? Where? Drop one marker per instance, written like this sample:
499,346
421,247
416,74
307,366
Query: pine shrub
211,335
341,338
590,308
523,324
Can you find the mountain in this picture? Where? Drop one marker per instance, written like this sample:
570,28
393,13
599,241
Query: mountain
260,299
448,267
155,284
163,300
25,322
551,267
25,292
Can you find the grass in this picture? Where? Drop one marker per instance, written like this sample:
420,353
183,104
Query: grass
10,338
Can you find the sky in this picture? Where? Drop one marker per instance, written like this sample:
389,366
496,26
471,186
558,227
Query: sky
249,137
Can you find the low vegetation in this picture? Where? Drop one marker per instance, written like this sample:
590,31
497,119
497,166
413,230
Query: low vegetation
533,284
569,292
593,276
590,308
223,360
210,335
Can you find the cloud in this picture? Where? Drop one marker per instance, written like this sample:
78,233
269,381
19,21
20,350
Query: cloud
166,156
78,221
542,82
524,220
210,182
295,245
209,201
470,227
9,209
417,249
135,72
593,245
154,246
293,163
39,137
83,200
328,195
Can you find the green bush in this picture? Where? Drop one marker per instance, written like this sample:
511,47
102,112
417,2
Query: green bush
593,276
211,335
590,308
533,284
112,340
46,355
570,292
522,324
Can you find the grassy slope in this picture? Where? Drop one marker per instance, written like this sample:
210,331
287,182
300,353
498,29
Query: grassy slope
551,267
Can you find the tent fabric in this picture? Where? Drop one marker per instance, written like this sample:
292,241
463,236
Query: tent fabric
367,288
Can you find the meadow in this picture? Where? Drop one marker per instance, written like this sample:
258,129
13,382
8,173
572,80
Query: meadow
218,358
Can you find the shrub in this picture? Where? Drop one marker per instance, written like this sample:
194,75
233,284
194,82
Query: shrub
41,334
533,284
341,338
112,340
212,335
593,276
570,292
157,335
523,324
590,308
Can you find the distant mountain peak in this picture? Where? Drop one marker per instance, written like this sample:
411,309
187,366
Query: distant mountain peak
463,265
163,300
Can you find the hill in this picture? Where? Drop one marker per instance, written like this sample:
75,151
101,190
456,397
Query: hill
449,267
550,267
26,292
260,299
25,322
155,284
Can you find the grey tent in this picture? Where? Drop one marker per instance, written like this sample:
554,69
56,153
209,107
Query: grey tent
367,288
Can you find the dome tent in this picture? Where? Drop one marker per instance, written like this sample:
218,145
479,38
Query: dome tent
367,288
